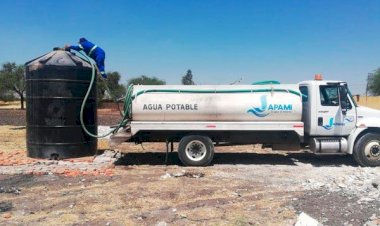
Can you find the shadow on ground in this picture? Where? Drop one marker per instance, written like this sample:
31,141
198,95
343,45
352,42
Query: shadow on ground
158,158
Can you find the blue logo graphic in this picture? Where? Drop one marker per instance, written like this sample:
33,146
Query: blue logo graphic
349,120
331,123
260,112
266,108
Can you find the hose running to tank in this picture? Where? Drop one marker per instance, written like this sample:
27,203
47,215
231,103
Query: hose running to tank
130,97
125,114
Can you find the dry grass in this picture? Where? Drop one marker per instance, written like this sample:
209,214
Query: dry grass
371,102
10,105
12,139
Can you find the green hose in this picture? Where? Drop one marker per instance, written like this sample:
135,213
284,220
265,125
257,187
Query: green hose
93,76
130,97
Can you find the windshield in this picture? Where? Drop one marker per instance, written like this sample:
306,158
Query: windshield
349,93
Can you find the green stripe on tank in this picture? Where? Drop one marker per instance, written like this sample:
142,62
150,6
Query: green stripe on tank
216,91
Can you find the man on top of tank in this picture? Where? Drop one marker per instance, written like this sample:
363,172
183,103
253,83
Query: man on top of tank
93,51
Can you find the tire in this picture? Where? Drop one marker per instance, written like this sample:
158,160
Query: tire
195,150
367,150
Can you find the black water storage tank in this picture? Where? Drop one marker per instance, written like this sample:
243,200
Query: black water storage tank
56,84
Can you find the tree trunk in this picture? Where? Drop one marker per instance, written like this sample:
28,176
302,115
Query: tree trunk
21,95
22,101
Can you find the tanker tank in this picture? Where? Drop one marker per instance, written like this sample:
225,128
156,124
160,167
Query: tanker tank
280,102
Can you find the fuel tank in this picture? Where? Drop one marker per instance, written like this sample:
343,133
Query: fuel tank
281,102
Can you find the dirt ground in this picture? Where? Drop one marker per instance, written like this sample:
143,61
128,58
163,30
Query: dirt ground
132,185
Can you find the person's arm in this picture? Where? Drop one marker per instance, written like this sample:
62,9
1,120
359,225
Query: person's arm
77,48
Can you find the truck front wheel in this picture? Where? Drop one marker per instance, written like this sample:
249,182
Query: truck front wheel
195,150
367,150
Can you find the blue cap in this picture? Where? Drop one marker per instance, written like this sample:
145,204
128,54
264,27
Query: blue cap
82,40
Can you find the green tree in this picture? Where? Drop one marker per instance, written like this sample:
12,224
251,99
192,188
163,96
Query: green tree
116,90
374,83
3,92
12,79
6,95
146,80
187,79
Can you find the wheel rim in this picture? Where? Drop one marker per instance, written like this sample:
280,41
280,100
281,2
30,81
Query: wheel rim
196,150
372,150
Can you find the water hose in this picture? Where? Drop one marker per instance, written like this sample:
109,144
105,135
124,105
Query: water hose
124,120
130,97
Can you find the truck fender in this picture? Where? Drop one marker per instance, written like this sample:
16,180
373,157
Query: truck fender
358,132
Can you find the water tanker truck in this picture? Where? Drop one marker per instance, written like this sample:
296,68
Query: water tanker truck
319,116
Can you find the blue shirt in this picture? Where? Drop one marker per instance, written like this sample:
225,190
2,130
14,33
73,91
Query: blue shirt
87,46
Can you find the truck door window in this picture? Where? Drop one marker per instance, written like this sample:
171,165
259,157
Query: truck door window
351,97
305,93
329,95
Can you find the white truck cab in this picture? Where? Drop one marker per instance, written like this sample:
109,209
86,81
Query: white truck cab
334,123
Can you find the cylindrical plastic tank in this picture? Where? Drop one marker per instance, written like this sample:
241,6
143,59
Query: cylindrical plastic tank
56,84
217,103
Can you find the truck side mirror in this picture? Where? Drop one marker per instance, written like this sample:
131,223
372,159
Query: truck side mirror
343,99
344,107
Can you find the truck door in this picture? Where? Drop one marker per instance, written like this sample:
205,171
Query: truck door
335,113
348,108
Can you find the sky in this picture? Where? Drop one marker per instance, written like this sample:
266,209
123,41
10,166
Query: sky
220,41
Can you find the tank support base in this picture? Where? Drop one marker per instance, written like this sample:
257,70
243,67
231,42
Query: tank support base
167,150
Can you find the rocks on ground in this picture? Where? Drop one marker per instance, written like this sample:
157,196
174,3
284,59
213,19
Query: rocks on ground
354,181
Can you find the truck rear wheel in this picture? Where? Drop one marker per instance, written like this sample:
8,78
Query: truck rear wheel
367,150
195,150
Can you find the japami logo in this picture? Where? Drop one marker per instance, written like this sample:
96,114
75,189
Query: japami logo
331,123
266,108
